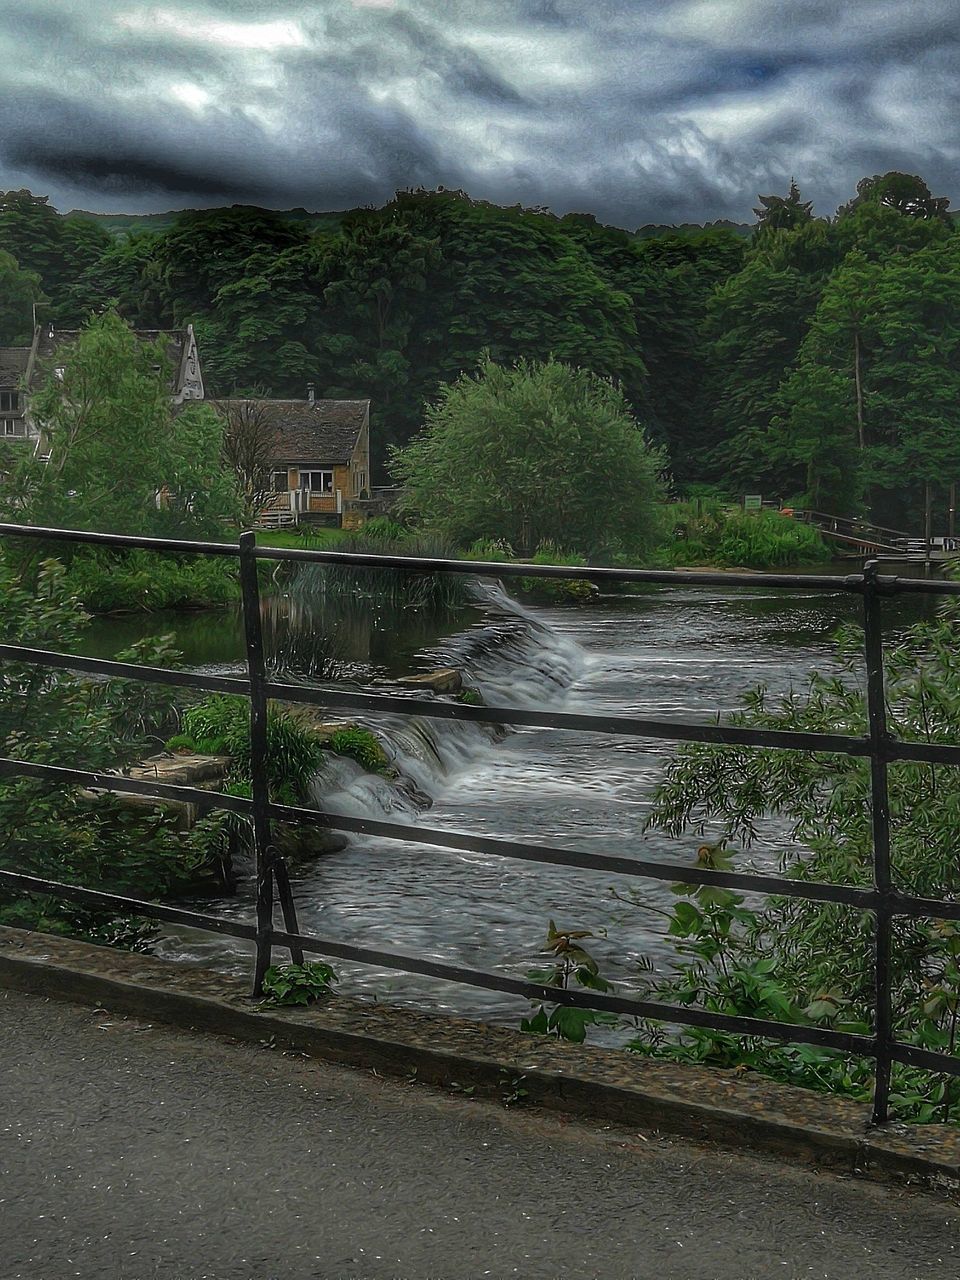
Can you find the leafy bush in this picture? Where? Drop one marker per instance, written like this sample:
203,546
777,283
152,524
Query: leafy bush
143,580
383,528
571,963
812,962
292,984
540,451
58,718
551,590
710,534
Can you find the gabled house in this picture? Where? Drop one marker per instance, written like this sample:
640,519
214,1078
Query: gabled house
23,368
320,459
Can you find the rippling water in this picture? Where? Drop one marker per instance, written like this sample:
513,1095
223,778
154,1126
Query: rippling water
676,653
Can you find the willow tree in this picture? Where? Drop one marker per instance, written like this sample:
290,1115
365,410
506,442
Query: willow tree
537,453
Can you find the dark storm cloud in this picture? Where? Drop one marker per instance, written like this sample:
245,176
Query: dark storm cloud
637,110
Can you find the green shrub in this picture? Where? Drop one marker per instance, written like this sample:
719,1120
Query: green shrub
812,962
383,528
143,580
708,533
360,745
298,983
559,590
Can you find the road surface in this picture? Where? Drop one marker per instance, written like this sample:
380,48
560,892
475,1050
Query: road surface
130,1151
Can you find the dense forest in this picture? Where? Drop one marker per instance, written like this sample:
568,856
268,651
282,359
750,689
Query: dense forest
814,360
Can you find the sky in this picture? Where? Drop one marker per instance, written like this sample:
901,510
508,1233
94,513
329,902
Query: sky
636,111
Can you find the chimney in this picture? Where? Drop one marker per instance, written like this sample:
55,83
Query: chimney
311,389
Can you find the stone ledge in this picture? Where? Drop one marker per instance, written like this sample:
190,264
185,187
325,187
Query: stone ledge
741,1111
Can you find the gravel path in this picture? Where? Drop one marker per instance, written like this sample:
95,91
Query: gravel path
129,1151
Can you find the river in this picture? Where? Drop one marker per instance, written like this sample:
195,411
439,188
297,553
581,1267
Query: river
684,653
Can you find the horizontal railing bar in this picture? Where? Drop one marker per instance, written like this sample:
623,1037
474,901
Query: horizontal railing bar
124,670
812,891
889,584
926,1059
648,1009
183,545
907,904
590,573
728,735
920,586
459,841
925,752
115,782
202,921
631,726
129,906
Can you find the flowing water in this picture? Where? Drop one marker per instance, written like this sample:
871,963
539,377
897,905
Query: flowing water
685,653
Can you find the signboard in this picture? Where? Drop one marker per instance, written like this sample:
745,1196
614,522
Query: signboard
752,501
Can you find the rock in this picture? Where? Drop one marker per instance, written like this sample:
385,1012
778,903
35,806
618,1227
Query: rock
205,773
446,680
182,769
297,843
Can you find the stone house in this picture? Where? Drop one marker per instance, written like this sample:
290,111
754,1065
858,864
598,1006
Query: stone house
320,460
22,369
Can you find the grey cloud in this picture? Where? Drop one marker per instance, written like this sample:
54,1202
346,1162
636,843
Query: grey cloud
626,108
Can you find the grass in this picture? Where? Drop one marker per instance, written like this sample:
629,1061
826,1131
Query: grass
319,539
393,588
548,590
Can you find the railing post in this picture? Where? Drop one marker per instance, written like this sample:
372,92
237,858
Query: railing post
880,814
268,867
256,671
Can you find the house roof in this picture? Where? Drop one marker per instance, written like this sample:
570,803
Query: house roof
318,431
48,342
13,365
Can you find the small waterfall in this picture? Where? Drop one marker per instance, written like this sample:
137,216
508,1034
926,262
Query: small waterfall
512,657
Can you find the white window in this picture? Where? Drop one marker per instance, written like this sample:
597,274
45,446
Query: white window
318,481
10,401
12,427
361,481
278,481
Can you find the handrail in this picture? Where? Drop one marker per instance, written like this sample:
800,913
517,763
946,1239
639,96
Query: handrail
883,899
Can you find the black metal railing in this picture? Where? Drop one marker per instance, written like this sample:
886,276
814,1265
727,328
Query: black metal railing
883,899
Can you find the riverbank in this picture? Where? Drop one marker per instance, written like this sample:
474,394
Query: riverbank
715,538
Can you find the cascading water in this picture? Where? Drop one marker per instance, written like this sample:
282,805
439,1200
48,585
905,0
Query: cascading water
511,657
685,653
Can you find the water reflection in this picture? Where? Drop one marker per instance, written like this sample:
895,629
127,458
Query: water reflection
304,639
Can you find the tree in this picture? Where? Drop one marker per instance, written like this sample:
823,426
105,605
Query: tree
783,213
116,443
248,447
58,249
208,249
125,277
873,398
18,291
755,325
905,192
537,453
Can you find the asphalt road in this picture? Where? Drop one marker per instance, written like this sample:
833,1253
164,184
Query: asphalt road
129,1151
